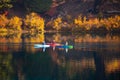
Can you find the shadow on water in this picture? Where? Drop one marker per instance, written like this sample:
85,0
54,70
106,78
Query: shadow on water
93,57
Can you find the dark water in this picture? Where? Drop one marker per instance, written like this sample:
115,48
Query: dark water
93,57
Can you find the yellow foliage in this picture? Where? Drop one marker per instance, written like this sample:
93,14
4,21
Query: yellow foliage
57,22
34,21
14,38
2,34
3,30
78,21
15,23
112,22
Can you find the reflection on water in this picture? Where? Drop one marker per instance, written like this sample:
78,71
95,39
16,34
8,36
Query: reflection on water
93,57
7,38
18,41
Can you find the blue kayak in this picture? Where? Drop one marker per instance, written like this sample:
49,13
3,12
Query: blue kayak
65,46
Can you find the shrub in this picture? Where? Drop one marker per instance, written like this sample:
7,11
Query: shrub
3,21
15,23
109,24
34,21
78,21
57,23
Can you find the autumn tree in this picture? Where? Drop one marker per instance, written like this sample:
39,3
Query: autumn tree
15,23
34,22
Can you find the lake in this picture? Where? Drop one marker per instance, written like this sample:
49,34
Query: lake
92,57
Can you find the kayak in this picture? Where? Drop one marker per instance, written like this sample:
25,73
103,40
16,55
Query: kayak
41,46
65,46
46,45
53,44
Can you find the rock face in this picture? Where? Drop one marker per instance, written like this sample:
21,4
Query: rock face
84,7
70,7
75,7
53,9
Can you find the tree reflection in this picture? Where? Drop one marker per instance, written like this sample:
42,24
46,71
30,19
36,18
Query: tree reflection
17,37
38,66
28,63
6,67
100,67
68,68
33,37
20,41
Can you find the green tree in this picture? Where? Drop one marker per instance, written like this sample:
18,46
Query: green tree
5,4
38,6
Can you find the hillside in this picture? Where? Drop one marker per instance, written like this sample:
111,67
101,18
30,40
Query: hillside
77,7
72,8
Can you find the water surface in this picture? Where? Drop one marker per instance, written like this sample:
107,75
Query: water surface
93,57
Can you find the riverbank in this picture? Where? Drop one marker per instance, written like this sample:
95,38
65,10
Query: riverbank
74,19
83,24
33,23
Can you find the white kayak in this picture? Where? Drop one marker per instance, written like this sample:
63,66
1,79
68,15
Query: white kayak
41,46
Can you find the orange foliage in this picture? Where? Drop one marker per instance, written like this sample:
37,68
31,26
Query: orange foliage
113,66
3,21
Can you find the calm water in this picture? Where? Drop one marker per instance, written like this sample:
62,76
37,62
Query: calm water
93,57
